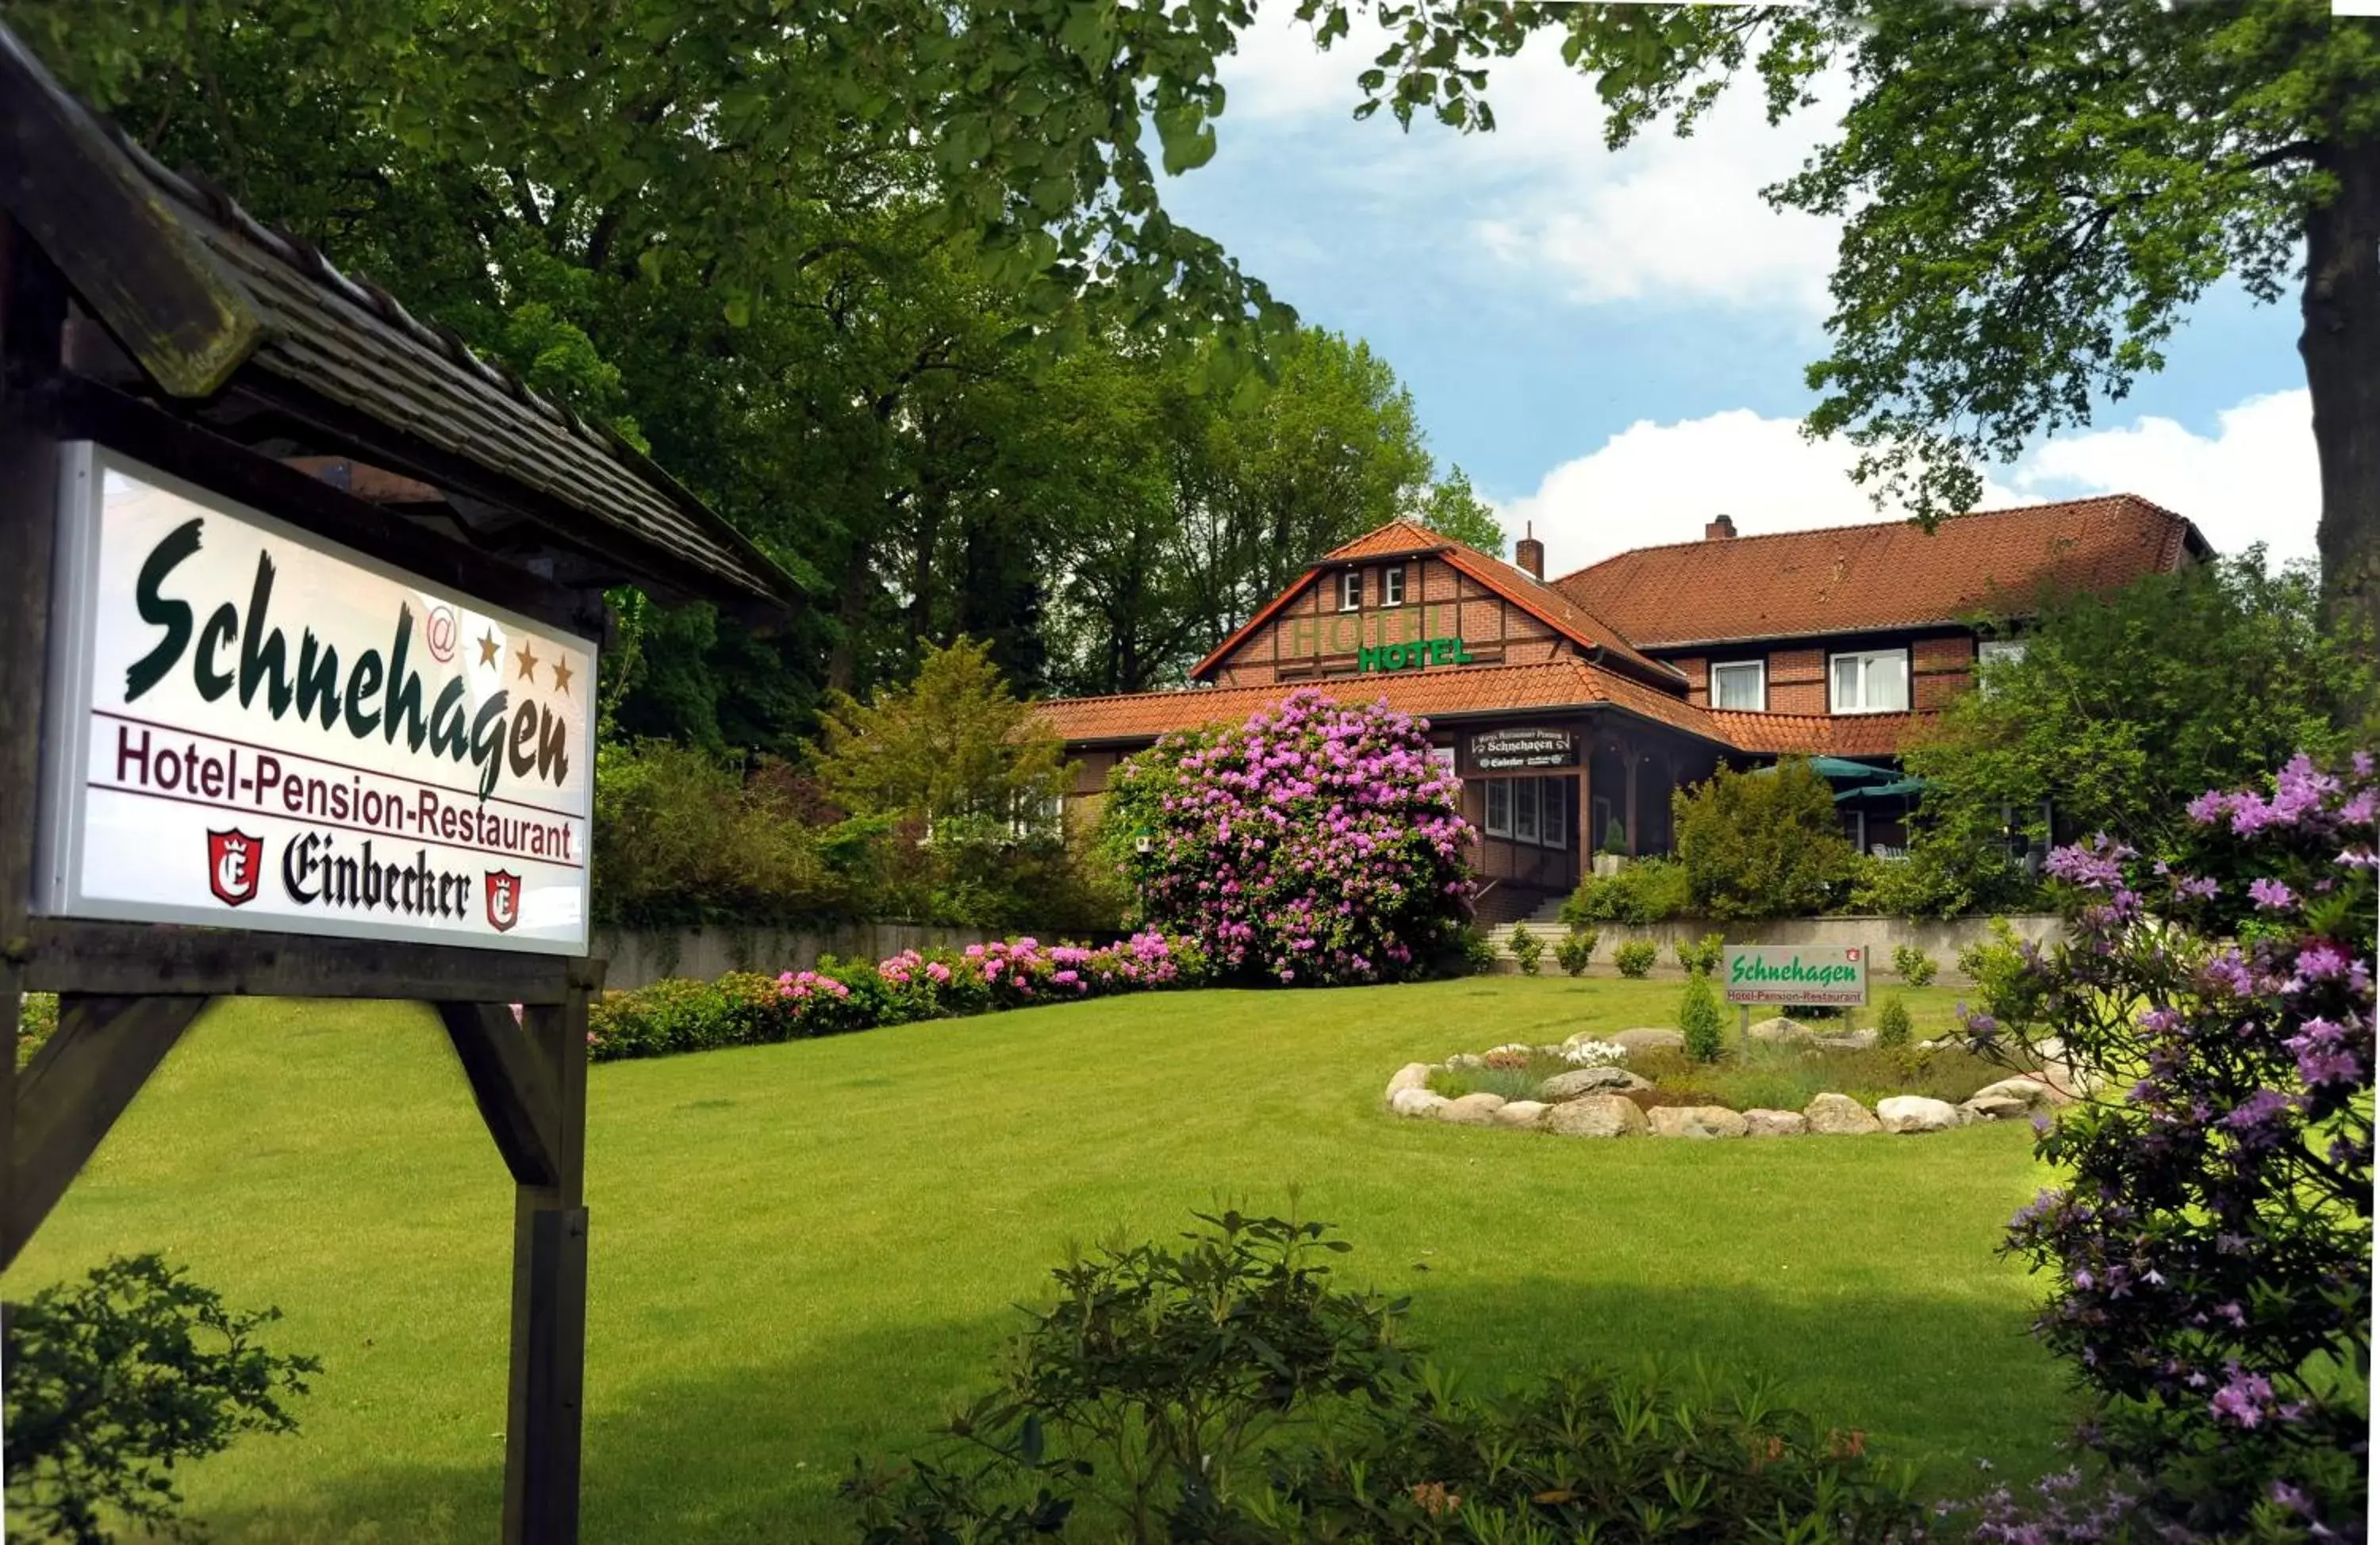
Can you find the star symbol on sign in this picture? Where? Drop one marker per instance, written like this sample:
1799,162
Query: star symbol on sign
488,649
527,664
561,678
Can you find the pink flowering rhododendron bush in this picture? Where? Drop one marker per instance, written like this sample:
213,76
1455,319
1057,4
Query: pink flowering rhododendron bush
2211,1242
753,1009
1317,843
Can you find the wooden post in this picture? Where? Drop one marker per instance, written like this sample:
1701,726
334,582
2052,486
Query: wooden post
32,315
549,1355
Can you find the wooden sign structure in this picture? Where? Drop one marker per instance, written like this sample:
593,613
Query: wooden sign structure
147,321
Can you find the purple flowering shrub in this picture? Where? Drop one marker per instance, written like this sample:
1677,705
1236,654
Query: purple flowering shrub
2211,1244
1316,844
748,1008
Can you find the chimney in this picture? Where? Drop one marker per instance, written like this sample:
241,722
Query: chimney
1530,553
1721,525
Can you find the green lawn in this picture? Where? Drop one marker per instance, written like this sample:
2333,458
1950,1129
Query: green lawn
803,1251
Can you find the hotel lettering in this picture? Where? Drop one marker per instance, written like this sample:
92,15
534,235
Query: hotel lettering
274,732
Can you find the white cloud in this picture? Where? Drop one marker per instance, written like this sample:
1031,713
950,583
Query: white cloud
2253,480
1665,221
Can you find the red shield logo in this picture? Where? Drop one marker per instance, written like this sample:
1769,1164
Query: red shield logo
503,900
235,861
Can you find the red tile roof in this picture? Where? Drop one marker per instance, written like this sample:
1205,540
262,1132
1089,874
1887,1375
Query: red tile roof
1558,611
1568,683
1821,734
1880,575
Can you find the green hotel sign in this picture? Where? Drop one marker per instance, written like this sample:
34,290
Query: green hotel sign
1835,974
1418,655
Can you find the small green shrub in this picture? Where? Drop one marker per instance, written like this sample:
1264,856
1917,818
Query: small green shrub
1913,965
117,1381
1636,958
1615,838
1701,957
1892,1023
1648,890
1763,844
1997,966
1575,949
1527,949
37,1021
1134,1413
1473,955
1698,1017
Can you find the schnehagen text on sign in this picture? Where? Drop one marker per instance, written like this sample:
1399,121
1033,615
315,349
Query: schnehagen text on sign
1750,969
374,695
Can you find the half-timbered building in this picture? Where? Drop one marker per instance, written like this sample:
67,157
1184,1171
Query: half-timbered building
1572,708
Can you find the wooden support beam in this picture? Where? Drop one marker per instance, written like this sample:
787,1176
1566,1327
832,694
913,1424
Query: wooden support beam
102,1050
513,1084
130,959
544,1416
32,313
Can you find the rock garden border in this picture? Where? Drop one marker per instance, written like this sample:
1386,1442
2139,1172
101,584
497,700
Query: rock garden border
1592,1100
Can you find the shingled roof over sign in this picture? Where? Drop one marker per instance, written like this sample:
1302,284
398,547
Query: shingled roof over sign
204,298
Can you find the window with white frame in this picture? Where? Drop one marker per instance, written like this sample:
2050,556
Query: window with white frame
1740,684
1499,807
1524,810
1351,590
1869,682
1393,587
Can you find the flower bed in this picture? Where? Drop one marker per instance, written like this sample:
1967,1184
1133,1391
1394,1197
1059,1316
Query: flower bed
1791,1082
751,1008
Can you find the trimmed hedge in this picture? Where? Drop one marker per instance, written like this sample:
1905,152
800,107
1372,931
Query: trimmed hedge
749,1008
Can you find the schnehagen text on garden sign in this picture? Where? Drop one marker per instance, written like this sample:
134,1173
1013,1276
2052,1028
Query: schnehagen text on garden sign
1821,975
280,733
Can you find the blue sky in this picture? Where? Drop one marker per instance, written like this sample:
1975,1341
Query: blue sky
1613,346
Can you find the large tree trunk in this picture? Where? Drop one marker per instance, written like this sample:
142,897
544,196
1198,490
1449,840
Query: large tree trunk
2341,348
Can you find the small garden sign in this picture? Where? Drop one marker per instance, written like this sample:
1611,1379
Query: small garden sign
1829,975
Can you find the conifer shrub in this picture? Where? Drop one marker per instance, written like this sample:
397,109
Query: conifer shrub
1698,1019
1636,958
1575,949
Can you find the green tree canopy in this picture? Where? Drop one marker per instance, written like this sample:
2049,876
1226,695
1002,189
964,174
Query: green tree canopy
2124,707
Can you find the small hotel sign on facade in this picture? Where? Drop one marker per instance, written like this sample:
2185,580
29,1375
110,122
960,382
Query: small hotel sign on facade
257,727
1507,750
1828,975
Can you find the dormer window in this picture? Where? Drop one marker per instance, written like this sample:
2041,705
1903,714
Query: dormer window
1393,587
1351,590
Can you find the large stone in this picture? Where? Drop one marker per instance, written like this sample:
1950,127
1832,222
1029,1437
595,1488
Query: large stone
1520,1113
1915,1113
1589,1080
1412,1075
1466,1061
1649,1039
1521,1047
1416,1101
1850,1041
2016,1099
1782,1028
1579,1037
1596,1116
1775,1123
1698,1121
1472,1110
1839,1116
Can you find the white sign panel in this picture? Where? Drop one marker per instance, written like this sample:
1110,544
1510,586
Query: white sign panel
1832,975
253,726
